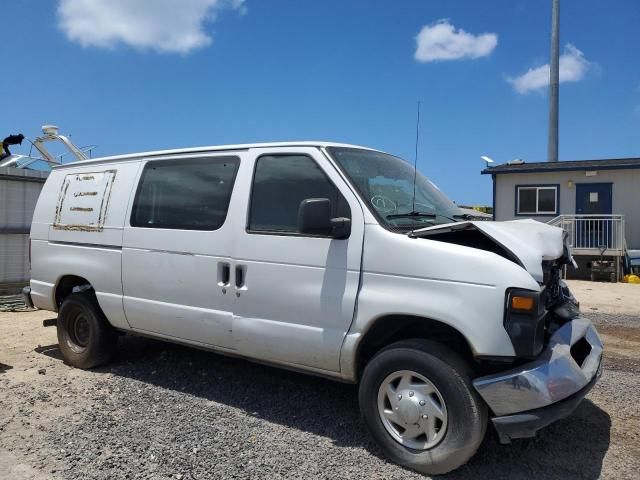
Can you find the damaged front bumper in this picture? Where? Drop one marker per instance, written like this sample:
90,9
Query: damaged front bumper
531,396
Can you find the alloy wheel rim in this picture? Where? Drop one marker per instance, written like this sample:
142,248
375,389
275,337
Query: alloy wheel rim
412,410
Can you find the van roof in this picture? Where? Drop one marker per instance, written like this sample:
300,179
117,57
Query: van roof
215,148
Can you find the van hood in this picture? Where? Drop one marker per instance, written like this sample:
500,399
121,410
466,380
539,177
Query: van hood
527,242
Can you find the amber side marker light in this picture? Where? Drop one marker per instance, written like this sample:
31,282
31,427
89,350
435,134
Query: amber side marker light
522,303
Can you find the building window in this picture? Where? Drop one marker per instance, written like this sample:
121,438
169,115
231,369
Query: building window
188,194
280,184
537,200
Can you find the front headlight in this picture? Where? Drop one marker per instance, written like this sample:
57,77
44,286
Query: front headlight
524,321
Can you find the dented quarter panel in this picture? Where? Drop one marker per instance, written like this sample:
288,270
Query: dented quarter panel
460,286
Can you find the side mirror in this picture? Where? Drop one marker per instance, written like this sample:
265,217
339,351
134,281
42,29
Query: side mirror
314,217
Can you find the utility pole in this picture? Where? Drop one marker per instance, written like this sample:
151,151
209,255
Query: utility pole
554,81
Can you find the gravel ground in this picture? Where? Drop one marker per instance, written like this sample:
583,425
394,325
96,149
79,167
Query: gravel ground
165,411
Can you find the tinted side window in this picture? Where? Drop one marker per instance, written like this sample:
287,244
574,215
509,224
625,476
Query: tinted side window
185,194
280,183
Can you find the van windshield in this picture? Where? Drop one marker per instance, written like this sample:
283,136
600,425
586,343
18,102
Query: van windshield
386,184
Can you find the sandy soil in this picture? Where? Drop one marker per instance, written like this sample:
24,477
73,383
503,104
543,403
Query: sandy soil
615,298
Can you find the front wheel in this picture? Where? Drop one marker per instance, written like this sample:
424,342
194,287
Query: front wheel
417,399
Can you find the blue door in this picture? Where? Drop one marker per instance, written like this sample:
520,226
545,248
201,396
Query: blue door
595,200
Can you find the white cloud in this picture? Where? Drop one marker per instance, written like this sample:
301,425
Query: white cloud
573,67
442,41
167,26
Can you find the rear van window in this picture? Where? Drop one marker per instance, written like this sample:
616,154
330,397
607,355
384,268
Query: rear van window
188,194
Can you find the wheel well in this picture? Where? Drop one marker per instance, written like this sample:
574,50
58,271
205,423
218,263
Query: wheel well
66,286
393,328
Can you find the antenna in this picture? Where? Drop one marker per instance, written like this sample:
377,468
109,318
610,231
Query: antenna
415,161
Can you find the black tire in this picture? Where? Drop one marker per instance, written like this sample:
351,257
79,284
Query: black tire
466,411
85,337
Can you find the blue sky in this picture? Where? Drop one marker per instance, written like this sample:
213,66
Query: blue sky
130,77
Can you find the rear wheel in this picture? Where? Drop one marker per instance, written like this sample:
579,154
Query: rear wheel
417,399
85,337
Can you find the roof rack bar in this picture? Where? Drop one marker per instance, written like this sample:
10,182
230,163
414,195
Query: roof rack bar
50,134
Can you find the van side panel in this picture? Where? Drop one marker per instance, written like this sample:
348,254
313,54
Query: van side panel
99,266
173,275
77,230
42,284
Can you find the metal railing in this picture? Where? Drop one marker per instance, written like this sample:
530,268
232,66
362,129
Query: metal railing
589,234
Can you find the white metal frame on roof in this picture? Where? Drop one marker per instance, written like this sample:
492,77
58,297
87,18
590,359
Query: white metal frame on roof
214,148
50,133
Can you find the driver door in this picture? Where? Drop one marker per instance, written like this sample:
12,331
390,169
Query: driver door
296,293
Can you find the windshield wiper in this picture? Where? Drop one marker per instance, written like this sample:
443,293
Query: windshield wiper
411,215
464,216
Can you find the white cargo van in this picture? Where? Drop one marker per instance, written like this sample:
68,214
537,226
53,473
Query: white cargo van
325,258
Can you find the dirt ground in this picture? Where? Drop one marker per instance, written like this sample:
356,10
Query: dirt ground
165,411
615,298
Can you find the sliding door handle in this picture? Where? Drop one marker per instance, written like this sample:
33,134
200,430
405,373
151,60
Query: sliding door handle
224,274
241,271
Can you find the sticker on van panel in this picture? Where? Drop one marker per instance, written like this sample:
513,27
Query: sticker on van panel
84,201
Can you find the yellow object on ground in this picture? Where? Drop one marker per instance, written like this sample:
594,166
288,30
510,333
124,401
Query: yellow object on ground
631,279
